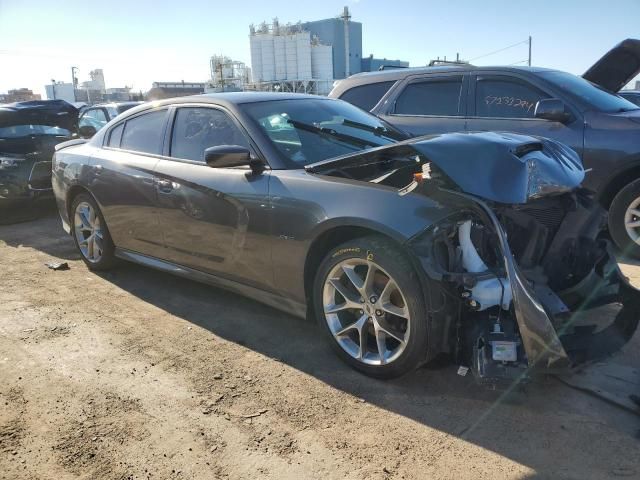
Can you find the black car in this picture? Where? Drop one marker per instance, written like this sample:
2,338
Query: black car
583,113
29,131
95,117
397,246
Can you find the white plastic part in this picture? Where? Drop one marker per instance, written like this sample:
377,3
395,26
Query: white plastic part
487,293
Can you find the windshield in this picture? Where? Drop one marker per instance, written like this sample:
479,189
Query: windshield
308,130
18,131
595,96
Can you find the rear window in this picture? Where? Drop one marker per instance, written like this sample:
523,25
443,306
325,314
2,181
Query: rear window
144,133
366,96
431,97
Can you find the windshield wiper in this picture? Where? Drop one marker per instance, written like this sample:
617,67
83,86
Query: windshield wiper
307,127
378,131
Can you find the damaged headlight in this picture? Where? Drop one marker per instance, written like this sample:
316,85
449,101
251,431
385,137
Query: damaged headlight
8,162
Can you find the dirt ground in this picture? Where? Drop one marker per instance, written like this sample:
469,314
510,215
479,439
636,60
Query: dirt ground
138,374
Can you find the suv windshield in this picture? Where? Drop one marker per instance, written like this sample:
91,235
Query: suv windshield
308,130
586,91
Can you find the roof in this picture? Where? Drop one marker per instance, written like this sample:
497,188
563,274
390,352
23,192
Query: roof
399,73
226,99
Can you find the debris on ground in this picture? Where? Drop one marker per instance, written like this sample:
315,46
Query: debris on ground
58,265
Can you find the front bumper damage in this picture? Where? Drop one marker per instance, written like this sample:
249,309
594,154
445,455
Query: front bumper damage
595,318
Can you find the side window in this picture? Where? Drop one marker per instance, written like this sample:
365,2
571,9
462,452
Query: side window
115,136
439,97
366,96
506,98
197,128
144,133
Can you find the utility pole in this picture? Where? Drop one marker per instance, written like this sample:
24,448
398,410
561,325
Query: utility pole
53,88
529,50
74,82
346,17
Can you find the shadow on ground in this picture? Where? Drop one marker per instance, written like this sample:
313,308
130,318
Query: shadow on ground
546,415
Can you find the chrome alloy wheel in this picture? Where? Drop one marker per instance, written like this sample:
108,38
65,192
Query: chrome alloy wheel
88,232
366,312
632,220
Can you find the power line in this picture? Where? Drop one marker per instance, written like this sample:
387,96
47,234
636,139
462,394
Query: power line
500,50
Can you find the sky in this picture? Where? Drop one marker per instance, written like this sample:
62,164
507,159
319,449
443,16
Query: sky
137,42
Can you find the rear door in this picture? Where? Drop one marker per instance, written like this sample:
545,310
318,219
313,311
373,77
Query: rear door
123,183
500,101
213,219
428,104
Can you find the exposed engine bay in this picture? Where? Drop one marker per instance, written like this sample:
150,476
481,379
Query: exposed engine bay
521,277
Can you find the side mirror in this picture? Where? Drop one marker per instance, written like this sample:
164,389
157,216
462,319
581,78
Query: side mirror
551,109
87,131
225,156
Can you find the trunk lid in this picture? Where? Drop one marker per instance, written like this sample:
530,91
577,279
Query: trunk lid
617,67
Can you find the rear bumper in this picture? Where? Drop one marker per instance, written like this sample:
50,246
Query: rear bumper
29,181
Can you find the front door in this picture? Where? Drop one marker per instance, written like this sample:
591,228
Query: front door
507,103
214,220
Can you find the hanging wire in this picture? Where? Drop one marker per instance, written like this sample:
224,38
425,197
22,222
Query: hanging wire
500,50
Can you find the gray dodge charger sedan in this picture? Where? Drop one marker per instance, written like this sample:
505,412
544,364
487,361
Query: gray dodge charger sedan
481,246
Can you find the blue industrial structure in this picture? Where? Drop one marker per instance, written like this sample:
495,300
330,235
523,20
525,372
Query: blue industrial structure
370,64
332,32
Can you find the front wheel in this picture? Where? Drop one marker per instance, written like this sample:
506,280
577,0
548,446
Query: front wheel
368,300
624,219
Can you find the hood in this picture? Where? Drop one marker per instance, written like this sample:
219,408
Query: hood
617,67
501,167
55,113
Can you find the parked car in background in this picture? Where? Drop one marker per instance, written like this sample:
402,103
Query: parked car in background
583,113
29,131
632,95
482,245
93,118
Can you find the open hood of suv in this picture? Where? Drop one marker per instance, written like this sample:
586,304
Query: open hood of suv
617,67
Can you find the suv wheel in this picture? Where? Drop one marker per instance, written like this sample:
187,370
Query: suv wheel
624,219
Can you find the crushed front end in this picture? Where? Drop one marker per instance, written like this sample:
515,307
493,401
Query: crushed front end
521,278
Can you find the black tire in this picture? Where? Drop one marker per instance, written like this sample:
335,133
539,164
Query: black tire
392,260
107,259
617,212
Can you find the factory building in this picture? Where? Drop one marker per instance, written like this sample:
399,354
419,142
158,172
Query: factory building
227,75
289,58
307,57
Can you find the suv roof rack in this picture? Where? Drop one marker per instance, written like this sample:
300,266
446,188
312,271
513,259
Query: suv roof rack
433,63
391,67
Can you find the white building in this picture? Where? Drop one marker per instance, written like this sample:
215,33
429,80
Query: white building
60,91
227,75
97,81
288,58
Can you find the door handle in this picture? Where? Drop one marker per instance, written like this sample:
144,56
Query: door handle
164,186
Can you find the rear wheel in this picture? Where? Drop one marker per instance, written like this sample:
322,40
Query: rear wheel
90,233
367,298
624,219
